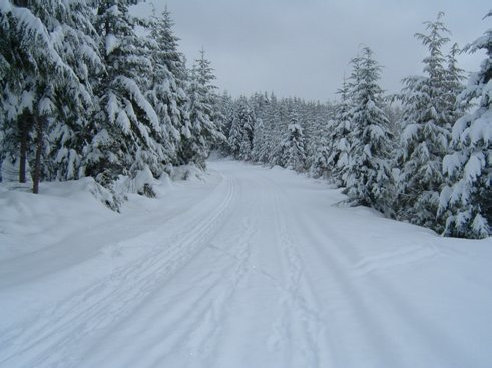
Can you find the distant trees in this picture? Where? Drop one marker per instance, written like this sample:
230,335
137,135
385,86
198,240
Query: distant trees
407,160
82,94
241,133
294,145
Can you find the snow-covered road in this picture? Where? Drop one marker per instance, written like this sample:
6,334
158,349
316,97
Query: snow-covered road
254,267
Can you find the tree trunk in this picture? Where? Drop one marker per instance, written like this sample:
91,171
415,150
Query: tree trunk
23,148
38,121
22,3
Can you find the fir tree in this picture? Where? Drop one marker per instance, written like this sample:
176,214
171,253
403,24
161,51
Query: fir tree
275,132
242,130
202,106
339,136
320,155
260,142
224,121
466,201
426,132
368,171
260,104
167,91
126,132
294,146
47,52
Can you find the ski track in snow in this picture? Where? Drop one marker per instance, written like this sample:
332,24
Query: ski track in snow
264,272
299,325
112,298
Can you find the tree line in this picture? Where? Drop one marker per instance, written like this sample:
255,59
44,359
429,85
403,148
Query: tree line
88,90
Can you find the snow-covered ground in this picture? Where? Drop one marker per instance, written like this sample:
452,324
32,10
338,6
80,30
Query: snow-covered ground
250,267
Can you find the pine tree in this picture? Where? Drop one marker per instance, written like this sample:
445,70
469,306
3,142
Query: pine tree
454,78
320,154
260,141
260,104
167,90
47,52
466,201
320,145
275,132
224,121
339,136
126,132
202,107
235,134
242,130
426,132
368,172
295,155
75,102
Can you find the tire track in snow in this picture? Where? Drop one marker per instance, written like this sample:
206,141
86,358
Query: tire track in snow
49,336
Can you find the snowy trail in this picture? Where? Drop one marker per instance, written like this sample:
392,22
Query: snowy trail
259,270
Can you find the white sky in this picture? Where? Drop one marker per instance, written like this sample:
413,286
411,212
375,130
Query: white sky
303,47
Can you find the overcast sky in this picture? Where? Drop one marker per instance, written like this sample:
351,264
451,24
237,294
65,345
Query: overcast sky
303,47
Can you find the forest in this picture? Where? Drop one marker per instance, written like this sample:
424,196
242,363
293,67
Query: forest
90,90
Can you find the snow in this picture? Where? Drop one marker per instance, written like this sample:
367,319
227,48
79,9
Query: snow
46,106
9,172
26,101
111,43
481,129
474,167
140,99
124,184
241,267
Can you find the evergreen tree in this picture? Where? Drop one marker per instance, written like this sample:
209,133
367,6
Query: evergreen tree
368,172
260,142
320,145
74,103
294,146
320,155
466,201
454,78
339,136
126,132
235,135
46,55
281,131
242,130
275,132
260,105
224,121
202,107
426,132
167,90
